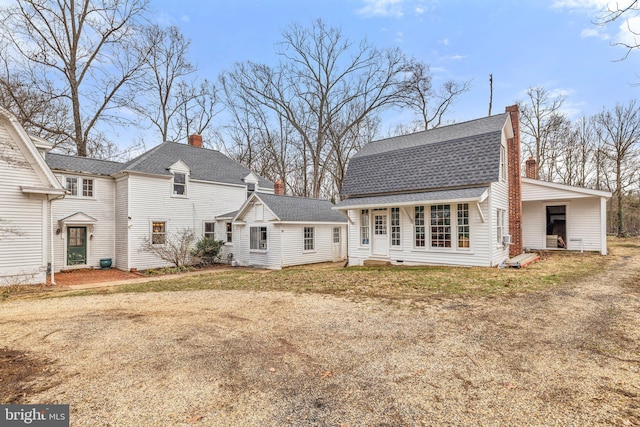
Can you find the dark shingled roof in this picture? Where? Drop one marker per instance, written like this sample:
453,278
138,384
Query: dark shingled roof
411,198
205,164
460,155
301,209
62,162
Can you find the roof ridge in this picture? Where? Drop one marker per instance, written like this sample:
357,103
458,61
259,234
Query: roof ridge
440,127
137,160
85,158
433,143
295,197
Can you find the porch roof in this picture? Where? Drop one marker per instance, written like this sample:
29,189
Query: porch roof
475,194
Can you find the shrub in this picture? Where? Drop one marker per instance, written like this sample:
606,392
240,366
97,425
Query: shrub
207,251
176,248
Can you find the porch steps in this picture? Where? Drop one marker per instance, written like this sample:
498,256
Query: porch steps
376,262
522,260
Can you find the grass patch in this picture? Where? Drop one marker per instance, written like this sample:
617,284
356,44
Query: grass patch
414,283
393,282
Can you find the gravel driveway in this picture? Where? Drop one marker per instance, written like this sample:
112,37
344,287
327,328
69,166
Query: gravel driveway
567,356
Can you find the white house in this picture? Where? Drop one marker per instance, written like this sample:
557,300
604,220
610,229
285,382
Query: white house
454,196
111,208
26,196
557,216
276,231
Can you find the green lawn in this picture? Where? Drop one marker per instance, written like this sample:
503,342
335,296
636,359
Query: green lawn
414,283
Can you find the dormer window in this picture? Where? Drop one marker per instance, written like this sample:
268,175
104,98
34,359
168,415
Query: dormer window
179,184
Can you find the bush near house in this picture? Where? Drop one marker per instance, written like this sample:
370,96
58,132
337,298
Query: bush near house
207,251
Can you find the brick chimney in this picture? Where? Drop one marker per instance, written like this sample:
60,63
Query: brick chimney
278,188
515,187
531,168
195,140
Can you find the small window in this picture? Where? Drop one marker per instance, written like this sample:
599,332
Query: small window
87,187
72,186
364,226
463,225
229,232
159,233
503,163
210,230
395,226
308,239
440,226
500,225
419,226
179,184
336,234
258,238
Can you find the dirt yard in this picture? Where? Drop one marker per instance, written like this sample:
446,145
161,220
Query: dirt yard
568,355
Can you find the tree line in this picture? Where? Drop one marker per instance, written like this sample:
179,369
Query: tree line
72,70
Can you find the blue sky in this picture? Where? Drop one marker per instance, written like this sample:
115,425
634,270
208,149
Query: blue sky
523,43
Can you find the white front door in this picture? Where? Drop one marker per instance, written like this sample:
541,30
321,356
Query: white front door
380,236
337,245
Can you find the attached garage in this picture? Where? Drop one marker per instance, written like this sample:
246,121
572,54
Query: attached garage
557,217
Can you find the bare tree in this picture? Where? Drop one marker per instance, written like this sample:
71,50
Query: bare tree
576,152
79,52
619,133
166,64
615,11
429,103
541,119
324,87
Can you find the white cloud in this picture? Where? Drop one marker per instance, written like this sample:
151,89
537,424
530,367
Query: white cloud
419,10
594,32
629,32
458,57
399,37
581,4
185,18
372,8
444,42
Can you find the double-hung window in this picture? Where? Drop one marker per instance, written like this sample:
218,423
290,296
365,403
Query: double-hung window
463,226
258,238
441,226
210,230
158,232
395,226
419,226
229,232
364,226
500,225
79,187
179,184
308,239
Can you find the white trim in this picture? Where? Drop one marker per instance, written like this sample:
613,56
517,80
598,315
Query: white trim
44,190
603,226
564,187
481,198
32,150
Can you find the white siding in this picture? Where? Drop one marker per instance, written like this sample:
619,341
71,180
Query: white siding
498,199
477,255
122,224
22,252
258,216
293,252
101,234
150,199
583,222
